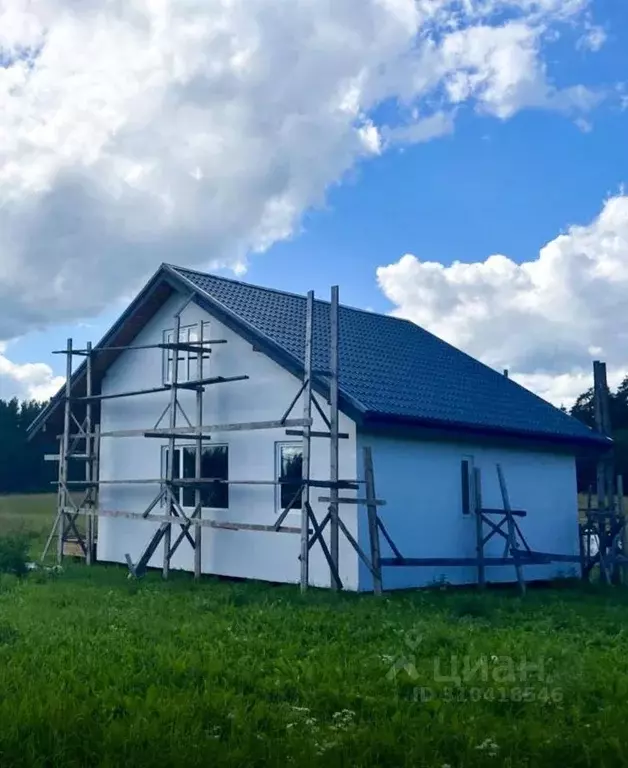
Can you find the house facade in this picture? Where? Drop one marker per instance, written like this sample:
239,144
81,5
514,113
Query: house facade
255,455
429,413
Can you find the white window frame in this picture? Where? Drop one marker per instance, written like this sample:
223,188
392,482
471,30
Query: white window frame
279,445
188,334
179,492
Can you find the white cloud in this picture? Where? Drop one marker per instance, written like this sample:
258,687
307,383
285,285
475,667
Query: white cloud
422,129
30,381
199,131
371,138
593,38
544,319
584,125
564,388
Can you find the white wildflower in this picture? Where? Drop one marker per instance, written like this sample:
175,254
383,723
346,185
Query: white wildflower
489,746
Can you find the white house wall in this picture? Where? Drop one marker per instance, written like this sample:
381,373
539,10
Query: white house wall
263,397
421,483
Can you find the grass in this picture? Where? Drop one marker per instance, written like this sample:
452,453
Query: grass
99,670
33,514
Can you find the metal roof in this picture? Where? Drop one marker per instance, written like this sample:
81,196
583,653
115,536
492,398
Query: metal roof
392,372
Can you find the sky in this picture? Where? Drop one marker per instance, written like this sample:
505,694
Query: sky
460,163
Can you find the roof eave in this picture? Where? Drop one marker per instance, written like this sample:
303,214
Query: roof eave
374,421
162,275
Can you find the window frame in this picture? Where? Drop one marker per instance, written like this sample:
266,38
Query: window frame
279,446
467,489
187,368
179,473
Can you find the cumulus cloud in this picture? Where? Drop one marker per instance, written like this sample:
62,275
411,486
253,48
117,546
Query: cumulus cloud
544,319
422,129
29,381
593,38
199,131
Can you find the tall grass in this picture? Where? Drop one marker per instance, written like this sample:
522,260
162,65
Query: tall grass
99,670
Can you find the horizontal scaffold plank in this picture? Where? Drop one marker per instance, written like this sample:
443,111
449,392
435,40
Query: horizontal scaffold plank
234,427
413,562
195,521
182,345
313,433
524,558
513,512
195,432
165,388
117,395
77,456
199,383
343,500
184,481
186,346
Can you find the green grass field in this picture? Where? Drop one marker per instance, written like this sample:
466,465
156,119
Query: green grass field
99,670
27,513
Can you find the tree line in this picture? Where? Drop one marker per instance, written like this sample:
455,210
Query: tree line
584,410
22,465
23,469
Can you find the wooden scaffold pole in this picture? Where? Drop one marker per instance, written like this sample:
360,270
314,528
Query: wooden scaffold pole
479,528
373,520
334,441
65,449
198,458
605,519
172,423
90,467
307,418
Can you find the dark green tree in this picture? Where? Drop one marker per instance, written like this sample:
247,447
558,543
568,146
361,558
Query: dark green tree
22,465
584,410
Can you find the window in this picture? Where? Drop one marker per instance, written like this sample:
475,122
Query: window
214,465
289,461
187,360
467,478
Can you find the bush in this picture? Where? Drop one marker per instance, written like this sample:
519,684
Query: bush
14,554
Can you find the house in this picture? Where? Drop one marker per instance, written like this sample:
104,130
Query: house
429,412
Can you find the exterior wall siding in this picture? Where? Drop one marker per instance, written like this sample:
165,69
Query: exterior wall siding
263,397
420,480
422,485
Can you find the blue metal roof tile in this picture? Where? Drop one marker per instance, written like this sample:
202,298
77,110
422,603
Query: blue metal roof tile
392,367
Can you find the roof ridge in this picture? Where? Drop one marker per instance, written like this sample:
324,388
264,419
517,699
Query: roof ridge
293,295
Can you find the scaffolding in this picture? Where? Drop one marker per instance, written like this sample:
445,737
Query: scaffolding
80,442
81,439
603,530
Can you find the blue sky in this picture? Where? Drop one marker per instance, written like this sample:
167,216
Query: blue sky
509,175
